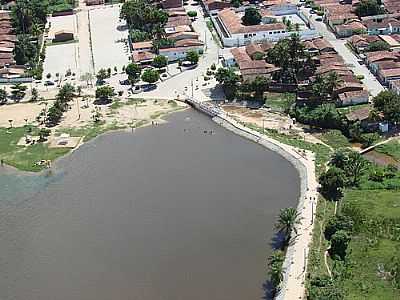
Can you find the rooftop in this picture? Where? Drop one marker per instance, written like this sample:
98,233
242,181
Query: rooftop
233,23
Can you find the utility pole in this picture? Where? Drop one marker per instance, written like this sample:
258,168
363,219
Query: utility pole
205,39
192,90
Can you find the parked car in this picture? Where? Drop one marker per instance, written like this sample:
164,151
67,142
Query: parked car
49,82
124,82
319,19
136,89
149,87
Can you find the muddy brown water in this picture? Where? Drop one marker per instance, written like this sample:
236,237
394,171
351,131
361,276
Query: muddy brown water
164,213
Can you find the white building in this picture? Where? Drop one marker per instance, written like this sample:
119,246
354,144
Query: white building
234,33
177,53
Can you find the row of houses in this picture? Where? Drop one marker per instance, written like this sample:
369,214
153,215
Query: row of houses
8,39
361,43
349,91
177,29
250,63
342,19
385,65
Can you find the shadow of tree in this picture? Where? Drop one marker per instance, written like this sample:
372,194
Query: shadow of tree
269,291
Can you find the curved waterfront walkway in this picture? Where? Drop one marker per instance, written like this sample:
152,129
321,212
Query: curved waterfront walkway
295,264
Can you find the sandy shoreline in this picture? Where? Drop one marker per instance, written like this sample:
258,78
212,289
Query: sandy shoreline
296,259
145,120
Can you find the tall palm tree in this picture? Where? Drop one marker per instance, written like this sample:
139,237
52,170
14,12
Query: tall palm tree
332,81
287,221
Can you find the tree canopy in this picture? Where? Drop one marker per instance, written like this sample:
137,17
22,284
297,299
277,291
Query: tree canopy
104,93
143,15
160,61
133,71
388,103
369,8
229,81
251,16
287,220
150,76
289,54
192,56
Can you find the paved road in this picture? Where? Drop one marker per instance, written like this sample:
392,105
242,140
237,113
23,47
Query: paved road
370,82
176,85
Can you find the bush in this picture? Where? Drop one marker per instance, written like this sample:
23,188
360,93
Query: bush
339,242
337,223
192,13
368,139
213,67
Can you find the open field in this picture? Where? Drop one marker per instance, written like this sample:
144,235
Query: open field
371,256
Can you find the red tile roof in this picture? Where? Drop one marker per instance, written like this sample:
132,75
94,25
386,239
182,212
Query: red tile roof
234,24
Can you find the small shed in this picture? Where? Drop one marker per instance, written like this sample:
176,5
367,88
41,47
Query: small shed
63,36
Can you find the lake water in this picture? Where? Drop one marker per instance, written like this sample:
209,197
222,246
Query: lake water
164,213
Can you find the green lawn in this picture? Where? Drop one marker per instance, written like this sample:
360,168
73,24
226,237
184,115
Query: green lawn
322,152
279,101
366,258
335,139
325,210
22,157
375,203
391,148
369,252
90,131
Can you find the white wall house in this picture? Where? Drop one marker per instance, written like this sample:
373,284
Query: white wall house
174,54
234,34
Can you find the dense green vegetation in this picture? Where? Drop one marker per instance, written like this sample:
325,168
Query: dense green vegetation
362,238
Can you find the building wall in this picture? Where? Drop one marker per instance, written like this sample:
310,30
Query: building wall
179,53
237,40
354,101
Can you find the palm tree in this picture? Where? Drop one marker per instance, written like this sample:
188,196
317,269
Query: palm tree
332,81
275,269
287,221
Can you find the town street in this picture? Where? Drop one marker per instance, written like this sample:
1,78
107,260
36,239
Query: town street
370,82
175,86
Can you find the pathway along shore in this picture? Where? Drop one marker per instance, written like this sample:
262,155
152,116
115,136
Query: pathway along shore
295,264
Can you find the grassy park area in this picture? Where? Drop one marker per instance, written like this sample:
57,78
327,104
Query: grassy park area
25,157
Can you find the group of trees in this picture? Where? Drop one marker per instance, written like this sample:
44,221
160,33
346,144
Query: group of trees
323,87
369,8
230,82
144,19
56,111
289,54
388,103
346,169
29,19
150,76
